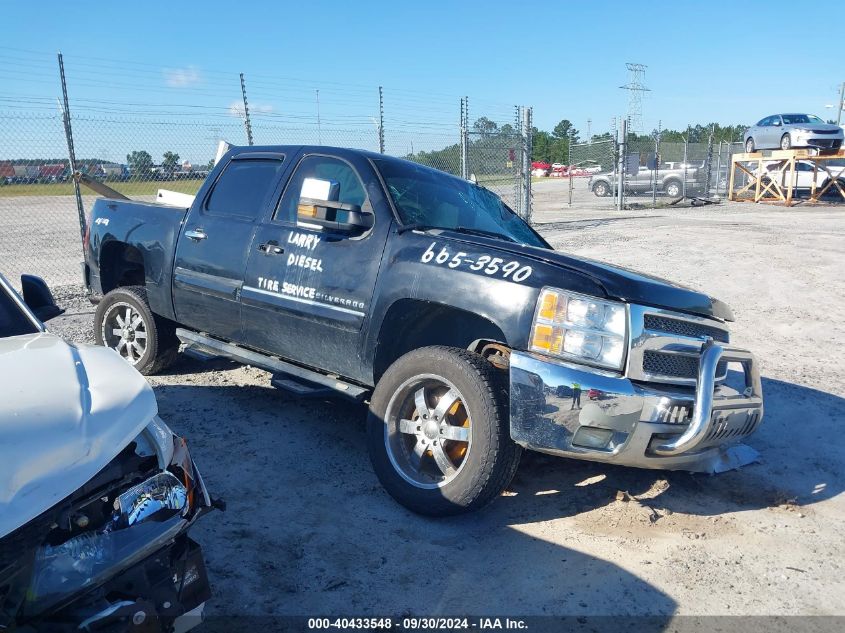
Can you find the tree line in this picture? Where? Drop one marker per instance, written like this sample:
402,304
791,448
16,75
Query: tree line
553,146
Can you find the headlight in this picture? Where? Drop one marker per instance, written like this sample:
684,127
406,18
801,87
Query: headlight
580,328
159,497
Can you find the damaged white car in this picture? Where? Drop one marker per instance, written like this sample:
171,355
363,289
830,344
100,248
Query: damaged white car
96,493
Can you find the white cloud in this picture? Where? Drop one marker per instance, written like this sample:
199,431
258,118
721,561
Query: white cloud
236,108
181,77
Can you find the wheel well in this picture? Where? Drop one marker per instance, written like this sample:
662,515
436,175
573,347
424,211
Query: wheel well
120,265
413,324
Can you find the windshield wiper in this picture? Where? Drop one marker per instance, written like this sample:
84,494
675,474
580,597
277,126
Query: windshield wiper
419,227
474,231
457,229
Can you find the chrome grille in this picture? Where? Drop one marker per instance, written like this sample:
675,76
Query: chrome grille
684,328
678,365
664,345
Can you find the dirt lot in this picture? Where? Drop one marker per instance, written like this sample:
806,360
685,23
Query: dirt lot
310,531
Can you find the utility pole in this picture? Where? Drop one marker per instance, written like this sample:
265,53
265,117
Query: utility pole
246,112
70,149
589,127
841,101
380,120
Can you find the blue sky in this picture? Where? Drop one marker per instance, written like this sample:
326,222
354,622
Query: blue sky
706,61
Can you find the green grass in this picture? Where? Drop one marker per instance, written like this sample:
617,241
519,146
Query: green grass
145,188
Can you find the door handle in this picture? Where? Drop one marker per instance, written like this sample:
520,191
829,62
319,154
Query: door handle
271,248
196,234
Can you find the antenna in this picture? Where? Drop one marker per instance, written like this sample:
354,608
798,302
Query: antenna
635,88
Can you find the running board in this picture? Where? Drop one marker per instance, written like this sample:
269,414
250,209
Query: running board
208,345
300,388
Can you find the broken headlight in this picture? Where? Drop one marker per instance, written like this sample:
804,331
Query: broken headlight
159,497
580,328
142,518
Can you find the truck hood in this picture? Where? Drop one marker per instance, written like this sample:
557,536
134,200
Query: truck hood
617,282
66,412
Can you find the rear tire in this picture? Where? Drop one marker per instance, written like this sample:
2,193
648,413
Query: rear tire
442,462
124,322
785,142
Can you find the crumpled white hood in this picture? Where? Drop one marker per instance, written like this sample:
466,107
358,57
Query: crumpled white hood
65,412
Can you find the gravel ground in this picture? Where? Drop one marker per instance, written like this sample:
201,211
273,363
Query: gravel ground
309,530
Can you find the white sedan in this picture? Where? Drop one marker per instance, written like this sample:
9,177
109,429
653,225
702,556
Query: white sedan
806,173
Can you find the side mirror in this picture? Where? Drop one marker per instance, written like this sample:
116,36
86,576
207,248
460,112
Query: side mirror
38,298
318,206
338,216
777,123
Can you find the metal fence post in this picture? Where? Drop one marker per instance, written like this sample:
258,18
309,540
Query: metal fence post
569,161
656,168
247,122
526,163
686,146
718,169
465,138
709,174
620,184
380,120
70,149
519,168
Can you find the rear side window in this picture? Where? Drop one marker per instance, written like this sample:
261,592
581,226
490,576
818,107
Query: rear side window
243,187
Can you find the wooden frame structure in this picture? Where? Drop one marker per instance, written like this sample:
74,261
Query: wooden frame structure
779,185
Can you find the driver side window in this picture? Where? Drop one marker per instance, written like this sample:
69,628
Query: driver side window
346,186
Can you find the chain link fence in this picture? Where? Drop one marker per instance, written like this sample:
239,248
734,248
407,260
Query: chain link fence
140,149
652,172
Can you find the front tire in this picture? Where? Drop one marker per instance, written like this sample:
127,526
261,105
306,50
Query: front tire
438,431
601,189
749,146
124,322
674,189
785,142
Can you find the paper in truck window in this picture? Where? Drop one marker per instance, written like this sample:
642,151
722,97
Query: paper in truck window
319,189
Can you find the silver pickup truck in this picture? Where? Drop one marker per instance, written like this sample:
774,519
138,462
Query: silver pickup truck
669,178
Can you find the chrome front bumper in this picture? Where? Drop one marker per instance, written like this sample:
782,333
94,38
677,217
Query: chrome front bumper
613,419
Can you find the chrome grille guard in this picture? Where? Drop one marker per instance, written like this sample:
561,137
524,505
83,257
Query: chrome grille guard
711,353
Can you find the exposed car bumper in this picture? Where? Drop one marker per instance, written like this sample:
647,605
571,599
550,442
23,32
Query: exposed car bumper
636,424
173,590
144,576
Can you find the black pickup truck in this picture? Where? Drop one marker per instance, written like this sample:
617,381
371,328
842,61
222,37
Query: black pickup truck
425,295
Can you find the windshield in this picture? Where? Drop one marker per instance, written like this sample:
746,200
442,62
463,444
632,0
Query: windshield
790,119
427,197
13,321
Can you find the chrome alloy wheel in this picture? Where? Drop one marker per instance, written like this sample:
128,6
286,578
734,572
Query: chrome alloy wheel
428,431
125,331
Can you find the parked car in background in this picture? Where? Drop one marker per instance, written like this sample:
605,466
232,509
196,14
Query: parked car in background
669,180
786,131
96,493
806,173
